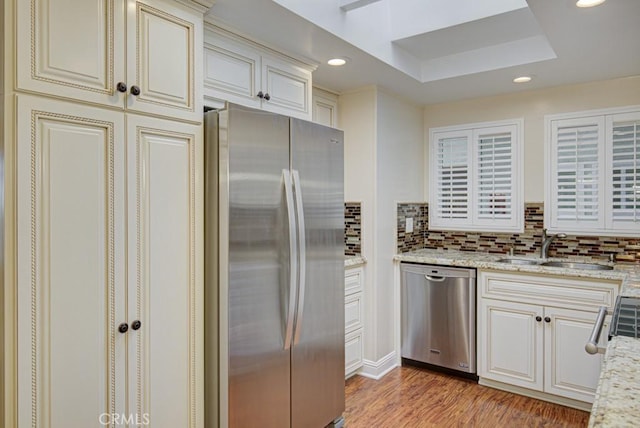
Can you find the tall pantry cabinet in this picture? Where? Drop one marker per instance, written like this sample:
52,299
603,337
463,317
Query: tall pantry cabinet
102,137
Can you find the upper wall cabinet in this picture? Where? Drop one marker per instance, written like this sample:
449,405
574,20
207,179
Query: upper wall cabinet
245,73
325,108
139,55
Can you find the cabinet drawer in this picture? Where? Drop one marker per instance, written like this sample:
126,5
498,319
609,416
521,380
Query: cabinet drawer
353,281
569,292
353,350
353,312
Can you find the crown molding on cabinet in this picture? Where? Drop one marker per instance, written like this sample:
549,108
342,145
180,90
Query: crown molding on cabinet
214,24
202,6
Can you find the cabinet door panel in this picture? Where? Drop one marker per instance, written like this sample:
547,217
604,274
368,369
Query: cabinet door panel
570,371
511,349
353,312
325,108
70,263
324,113
353,352
231,72
164,280
164,59
288,86
72,49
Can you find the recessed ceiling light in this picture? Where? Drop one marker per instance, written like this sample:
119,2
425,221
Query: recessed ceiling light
589,3
336,62
522,79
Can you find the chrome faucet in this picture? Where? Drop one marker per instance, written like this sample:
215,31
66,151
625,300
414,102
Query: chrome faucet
546,242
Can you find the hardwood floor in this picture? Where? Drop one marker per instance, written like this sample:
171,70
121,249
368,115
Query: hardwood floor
413,397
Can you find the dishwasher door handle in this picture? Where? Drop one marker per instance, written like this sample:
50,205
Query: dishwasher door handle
435,278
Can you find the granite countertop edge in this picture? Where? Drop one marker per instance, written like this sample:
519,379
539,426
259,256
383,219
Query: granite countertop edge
617,402
351,261
628,274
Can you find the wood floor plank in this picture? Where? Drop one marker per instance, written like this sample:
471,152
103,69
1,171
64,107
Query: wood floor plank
412,397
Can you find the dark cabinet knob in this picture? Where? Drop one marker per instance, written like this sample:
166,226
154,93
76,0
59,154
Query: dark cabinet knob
136,325
547,319
121,87
538,318
123,328
260,95
267,96
135,90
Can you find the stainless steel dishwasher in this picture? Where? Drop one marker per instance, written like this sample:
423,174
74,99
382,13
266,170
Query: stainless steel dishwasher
439,316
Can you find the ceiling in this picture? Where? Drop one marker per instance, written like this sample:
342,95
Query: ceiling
456,49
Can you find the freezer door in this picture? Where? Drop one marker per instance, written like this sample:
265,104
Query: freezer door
317,358
256,147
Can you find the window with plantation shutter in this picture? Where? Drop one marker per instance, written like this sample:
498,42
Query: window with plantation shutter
594,172
476,177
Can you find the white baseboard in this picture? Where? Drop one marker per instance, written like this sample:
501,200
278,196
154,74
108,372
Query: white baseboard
377,369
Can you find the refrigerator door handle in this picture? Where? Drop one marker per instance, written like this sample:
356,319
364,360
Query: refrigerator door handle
302,253
293,260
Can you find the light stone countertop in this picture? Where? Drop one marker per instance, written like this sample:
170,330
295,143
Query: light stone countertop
617,402
351,261
629,274
618,395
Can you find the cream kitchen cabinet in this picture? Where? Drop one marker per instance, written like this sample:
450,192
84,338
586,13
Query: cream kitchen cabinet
325,108
532,331
138,55
510,345
353,321
108,268
242,72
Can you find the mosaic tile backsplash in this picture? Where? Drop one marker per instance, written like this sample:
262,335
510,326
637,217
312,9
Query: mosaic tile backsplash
626,249
352,229
413,240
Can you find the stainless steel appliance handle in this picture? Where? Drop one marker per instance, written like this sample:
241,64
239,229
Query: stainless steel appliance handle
293,260
592,345
435,278
303,256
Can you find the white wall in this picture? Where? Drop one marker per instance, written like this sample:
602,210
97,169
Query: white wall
533,106
399,160
384,152
357,117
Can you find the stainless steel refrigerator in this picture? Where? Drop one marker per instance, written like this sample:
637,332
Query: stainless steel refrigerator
274,271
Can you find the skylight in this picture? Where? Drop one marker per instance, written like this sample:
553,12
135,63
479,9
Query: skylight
434,39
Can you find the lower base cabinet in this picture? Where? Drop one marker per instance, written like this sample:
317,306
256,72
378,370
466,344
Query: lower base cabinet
546,355
540,346
353,344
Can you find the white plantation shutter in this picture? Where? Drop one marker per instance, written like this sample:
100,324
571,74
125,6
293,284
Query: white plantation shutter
623,133
578,173
594,171
495,178
452,166
475,178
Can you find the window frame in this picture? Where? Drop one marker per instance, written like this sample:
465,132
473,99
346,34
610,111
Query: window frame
604,119
473,222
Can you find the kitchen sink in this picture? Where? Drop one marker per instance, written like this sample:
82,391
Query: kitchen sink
519,261
557,264
577,265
